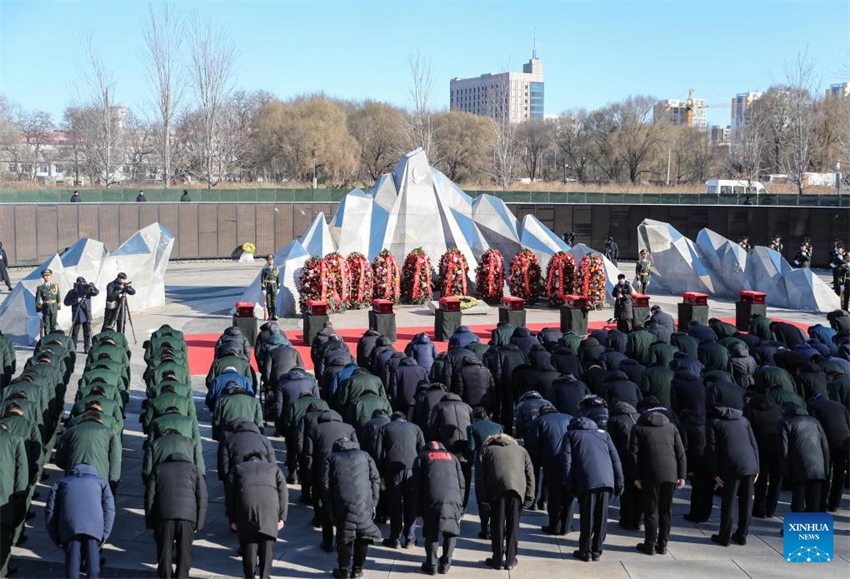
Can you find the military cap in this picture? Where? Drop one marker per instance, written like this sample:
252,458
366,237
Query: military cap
46,272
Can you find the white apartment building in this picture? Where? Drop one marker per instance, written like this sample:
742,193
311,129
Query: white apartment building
740,104
687,113
517,95
840,90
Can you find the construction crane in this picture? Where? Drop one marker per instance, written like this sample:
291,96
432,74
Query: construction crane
689,106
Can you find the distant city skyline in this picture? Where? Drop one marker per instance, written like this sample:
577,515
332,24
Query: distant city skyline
594,52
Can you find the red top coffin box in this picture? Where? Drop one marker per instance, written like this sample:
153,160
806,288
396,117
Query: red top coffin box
695,299
751,297
575,302
317,308
382,306
513,303
450,304
244,309
640,300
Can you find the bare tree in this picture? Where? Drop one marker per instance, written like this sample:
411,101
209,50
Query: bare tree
572,137
535,137
505,141
696,155
140,146
379,130
637,133
163,36
421,125
36,128
72,120
212,71
801,141
103,126
603,150
746,154
10,135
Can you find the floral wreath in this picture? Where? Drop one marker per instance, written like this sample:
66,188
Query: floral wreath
249,247
560,277
339,281
466,302
591,281
312,283
362,280
416,278
524,278
386,276
453,273
490,275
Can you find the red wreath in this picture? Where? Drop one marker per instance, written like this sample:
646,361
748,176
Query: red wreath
490,276
524,278
386,275
362,280
416,278
313,282
339,282
591,281
453,274
560,277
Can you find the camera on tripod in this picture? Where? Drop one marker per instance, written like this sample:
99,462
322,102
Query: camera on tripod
84,289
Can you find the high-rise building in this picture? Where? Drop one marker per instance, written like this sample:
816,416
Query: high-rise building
741,103
688,113
840,90
517,96
720,135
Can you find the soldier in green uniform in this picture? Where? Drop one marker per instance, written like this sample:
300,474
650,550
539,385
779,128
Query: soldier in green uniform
270,283
642,273
776,244
804,258
745,243
836,263
844,278
47,301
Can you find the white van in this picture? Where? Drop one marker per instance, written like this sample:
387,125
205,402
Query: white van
732,187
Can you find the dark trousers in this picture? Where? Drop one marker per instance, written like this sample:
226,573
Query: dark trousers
630,506
271,305
484,517
357,547
767,488
561,505
174,545
702,497
657,512
838,460
742,489
624,326
4,275
110,317
504,526
49,316
7,535
75,333
466,470
593,506
324,519
259,548
805,496
293,459
81,547
432,544
402,506
409,411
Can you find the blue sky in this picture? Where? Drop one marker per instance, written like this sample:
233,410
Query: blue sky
593,52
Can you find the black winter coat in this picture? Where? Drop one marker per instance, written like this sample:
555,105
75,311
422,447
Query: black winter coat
233,339
721,393
176,490
764,415
454,363
404,382
687,393
656,450
257,498
365,346
280,361
370,433
743,366
448,422
632,369
835,421
618,388
475,384
437,488
621,419
544,440
399,443
566,362
319,442
567,392
351,486
288,389
426,399
731,447
502,364
241,438
612,359
527,410
544,378
523,339
788,334
589,352
590,460
803,447
422,349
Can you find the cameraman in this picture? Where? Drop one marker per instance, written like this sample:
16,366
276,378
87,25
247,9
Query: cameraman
116,292
79,298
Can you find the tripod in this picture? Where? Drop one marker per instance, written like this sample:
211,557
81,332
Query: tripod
125,316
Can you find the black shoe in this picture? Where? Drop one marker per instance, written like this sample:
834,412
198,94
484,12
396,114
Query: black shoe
428,569
443,566
315,522
717,539
484,535
581,556
541,505
391,543
327,547
10,571
306,499
356,572
661,549
645,549
759,515
512,565
739,539
30,515
493,564
291,480
44,475
409,544
340,573
21,540
691,518
551,531
626,527
595,556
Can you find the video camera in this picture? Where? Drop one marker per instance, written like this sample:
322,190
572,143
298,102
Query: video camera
84,289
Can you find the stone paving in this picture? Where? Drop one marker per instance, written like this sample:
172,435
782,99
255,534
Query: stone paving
199,296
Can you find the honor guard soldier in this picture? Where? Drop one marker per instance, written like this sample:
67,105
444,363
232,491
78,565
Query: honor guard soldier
776,244
744,242
47,301
642,272
804,258
270,282
836,262
611,250
844,282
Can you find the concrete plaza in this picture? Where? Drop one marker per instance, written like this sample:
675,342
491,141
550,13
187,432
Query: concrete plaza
199,296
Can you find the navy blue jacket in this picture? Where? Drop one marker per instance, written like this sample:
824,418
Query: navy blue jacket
219,385
545,438
422,349
462,337
81,503
589,458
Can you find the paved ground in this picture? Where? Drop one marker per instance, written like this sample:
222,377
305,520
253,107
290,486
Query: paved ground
199,296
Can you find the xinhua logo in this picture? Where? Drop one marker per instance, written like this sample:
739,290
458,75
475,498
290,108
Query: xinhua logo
808,537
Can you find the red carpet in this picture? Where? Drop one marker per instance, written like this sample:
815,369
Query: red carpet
202,346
